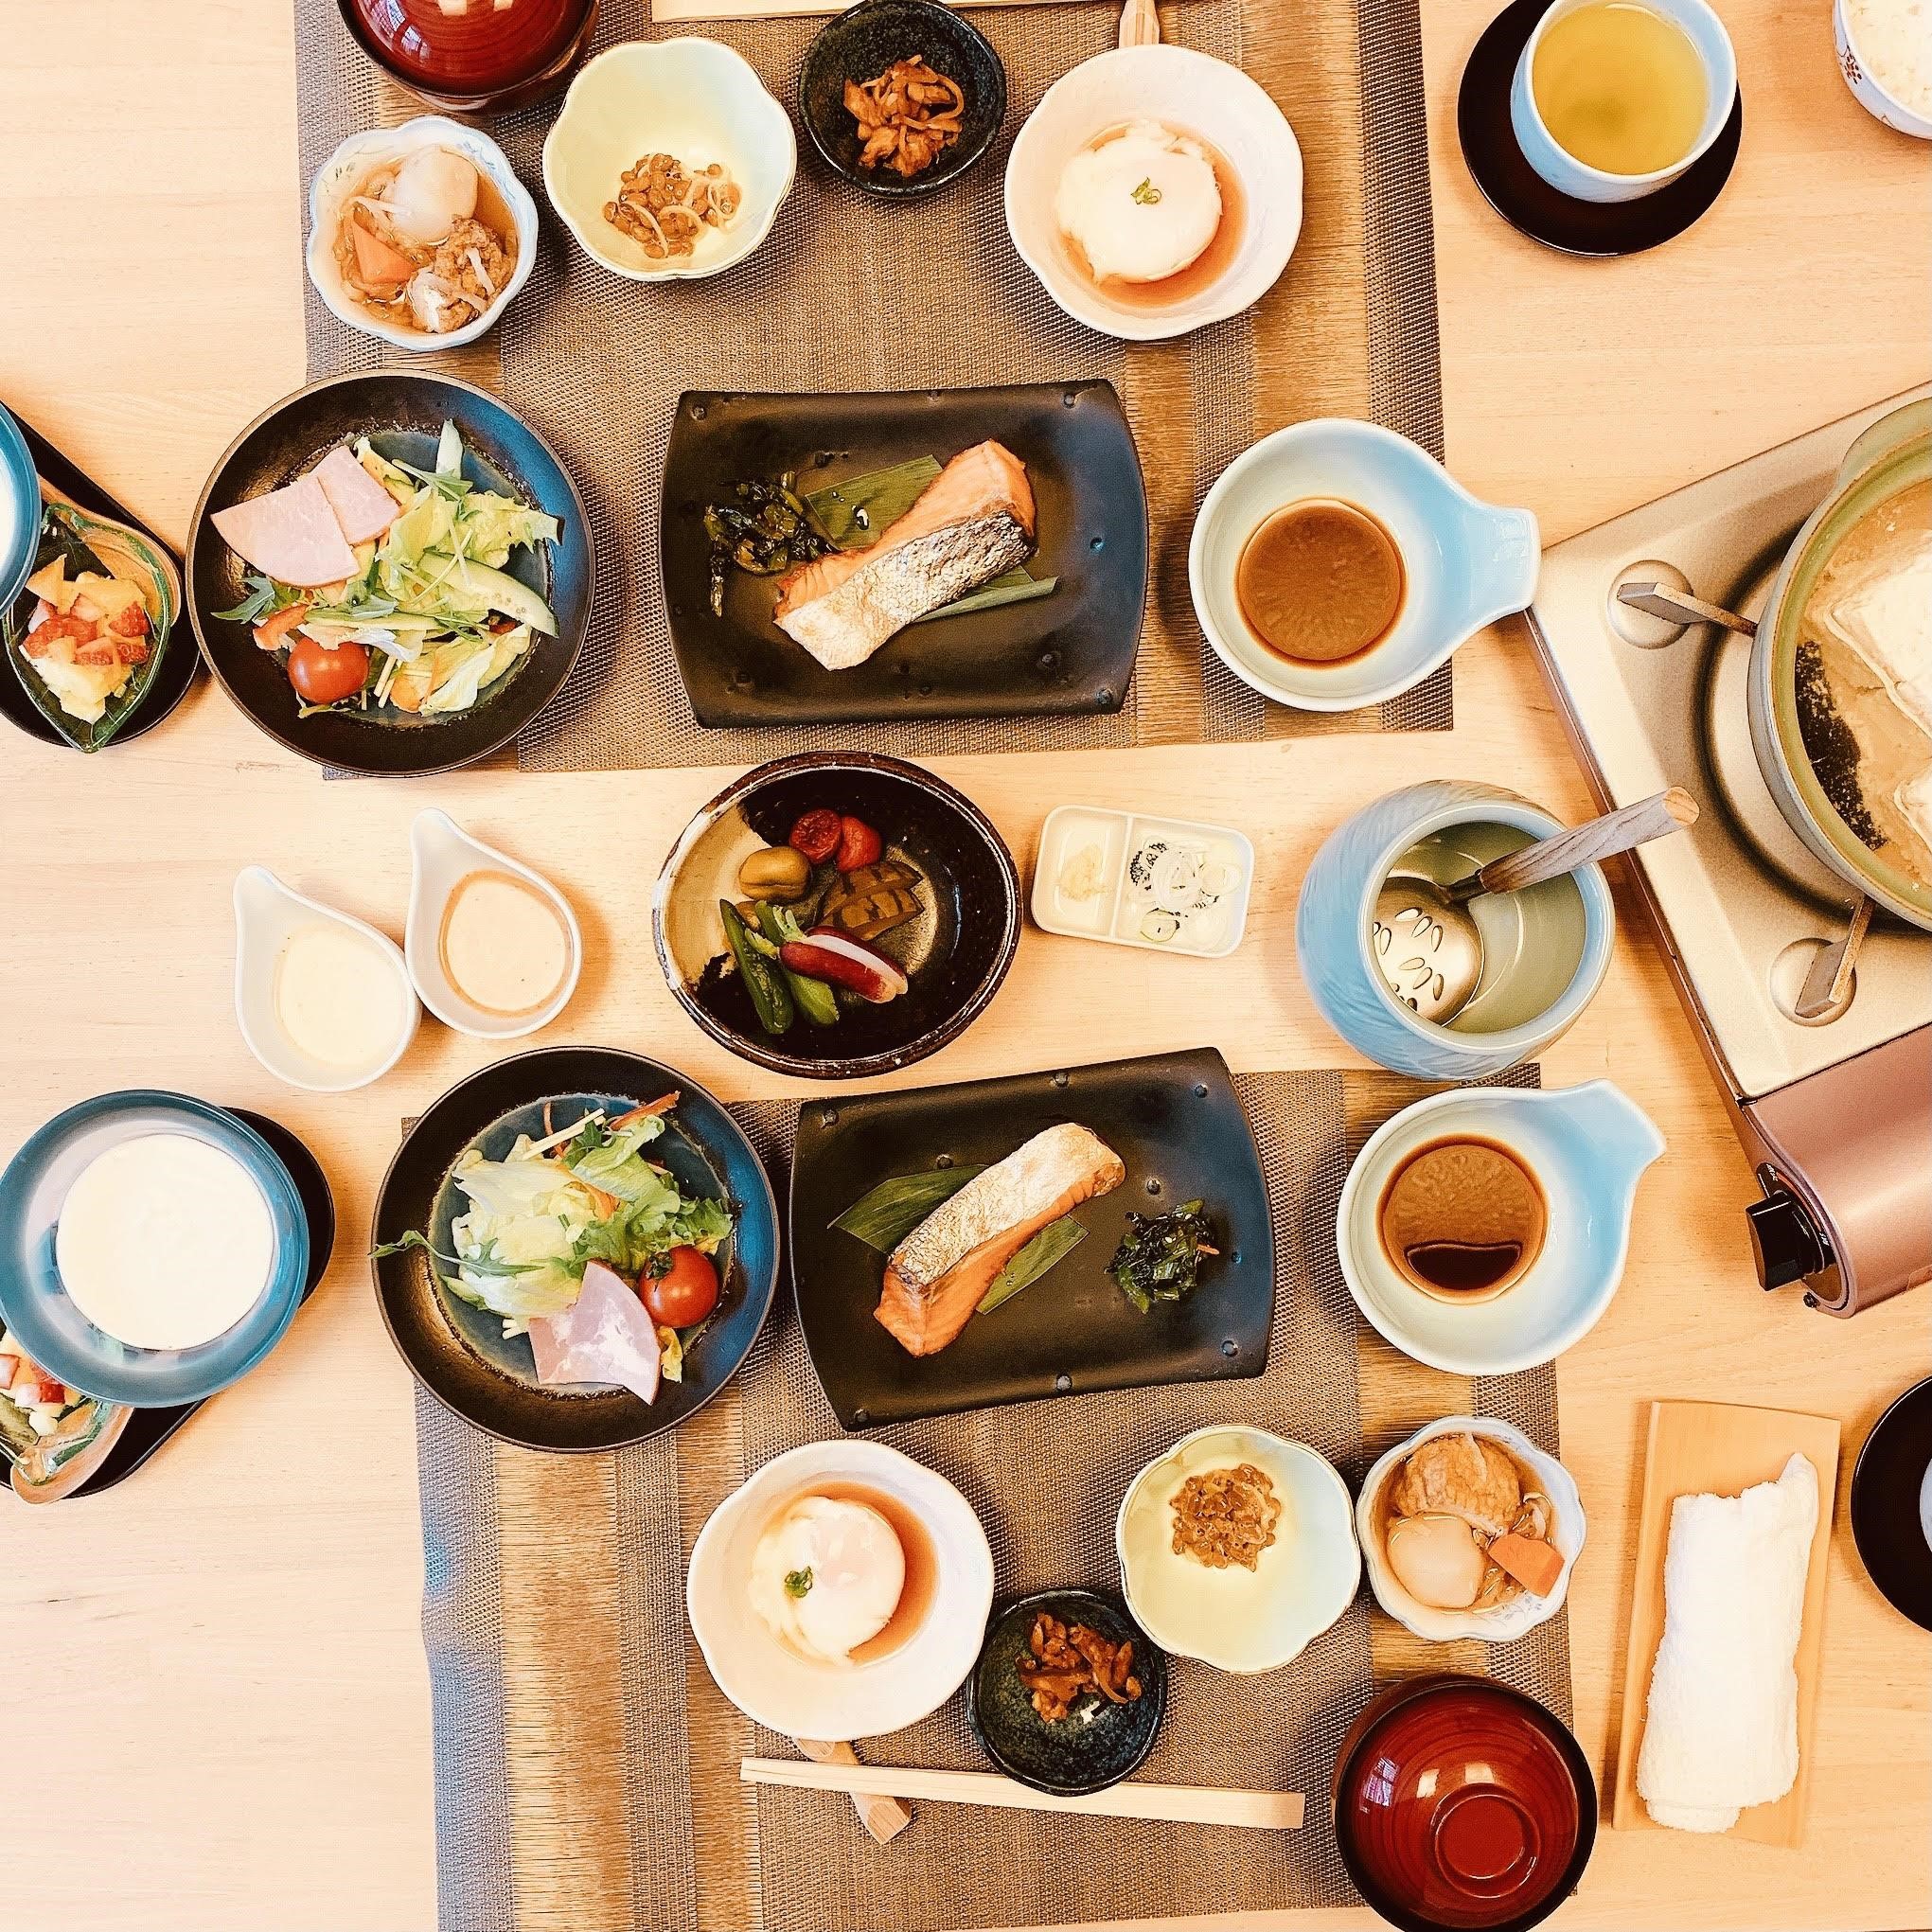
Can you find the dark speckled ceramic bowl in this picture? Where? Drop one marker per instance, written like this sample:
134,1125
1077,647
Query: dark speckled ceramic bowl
955,954
1096,1744
865,41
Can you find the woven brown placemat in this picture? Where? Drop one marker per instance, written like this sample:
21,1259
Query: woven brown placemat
597,363
587,1766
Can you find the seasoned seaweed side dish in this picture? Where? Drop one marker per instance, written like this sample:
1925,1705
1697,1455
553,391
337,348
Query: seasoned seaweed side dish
86,634
1160,1259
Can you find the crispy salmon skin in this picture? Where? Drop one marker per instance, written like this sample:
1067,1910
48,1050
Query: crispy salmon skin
937,1275
973,521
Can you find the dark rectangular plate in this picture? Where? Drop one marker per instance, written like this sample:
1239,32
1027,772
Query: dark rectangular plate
1072,652
1174,1119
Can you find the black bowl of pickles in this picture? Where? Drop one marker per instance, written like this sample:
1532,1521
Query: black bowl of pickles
837,914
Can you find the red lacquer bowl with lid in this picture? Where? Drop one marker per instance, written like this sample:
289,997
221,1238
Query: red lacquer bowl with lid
474,56
1462,1805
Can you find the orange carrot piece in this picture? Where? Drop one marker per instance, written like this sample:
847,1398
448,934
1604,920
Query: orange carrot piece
273,633
1535,1564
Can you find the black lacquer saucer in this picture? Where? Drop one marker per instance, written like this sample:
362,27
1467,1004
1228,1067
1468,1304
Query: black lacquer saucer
1527,203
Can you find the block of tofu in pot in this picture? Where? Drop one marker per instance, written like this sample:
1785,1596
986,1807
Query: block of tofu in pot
1883,613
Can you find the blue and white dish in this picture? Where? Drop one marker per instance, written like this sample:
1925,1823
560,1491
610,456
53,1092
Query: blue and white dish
36,1305
1465,562
20,510
1546,949
1586,1148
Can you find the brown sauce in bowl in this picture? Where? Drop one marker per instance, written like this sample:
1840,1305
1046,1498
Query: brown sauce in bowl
1321,581
1463,1218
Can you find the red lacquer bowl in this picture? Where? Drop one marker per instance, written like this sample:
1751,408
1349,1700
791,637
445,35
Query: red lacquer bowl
1461,1804
474,55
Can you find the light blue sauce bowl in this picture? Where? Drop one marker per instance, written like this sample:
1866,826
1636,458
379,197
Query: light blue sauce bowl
37,1307
19,505
1546,947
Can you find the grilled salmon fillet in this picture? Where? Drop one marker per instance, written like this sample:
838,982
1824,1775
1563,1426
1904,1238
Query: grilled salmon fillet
973,521
937,1275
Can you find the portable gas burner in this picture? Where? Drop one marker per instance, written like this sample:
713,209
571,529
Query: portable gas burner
1826,1061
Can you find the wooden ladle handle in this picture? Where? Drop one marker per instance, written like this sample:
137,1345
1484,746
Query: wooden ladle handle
1618,831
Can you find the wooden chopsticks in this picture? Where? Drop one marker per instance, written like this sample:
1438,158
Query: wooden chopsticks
1191,1804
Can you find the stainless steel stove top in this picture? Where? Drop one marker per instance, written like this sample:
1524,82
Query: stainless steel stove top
1742,904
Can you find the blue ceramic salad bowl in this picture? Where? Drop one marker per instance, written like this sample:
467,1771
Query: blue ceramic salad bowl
36,1306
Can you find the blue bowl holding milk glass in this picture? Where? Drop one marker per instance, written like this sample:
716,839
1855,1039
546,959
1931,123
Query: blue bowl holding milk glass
1578,179
1464,562
98,1227
20,507
1586,1148
1545,949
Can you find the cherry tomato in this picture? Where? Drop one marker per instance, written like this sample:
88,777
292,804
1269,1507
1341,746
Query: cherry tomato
817,836
858,844
685,1292
321,675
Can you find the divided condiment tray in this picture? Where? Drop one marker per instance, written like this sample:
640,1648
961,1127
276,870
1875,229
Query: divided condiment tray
1128,878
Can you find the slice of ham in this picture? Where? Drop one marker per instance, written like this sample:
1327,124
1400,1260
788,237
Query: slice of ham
291,534
362,507
605,1336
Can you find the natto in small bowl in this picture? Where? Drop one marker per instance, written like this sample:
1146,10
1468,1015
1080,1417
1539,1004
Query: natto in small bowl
1098,1742
955,954
861,44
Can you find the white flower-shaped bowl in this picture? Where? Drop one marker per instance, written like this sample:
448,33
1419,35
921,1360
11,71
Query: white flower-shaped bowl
1523,1612
1191,94
352,163
774,1685
692,98
1240,1620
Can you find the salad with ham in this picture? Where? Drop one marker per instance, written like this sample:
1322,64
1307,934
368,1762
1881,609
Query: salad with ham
589,1249
383,588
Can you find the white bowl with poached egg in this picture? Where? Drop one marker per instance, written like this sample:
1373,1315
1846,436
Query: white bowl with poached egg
842,1593
1154,190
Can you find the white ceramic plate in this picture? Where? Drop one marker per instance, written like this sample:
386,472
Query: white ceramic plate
1524,1611
1238,1619
692,98
775,1687
358,158
1191,94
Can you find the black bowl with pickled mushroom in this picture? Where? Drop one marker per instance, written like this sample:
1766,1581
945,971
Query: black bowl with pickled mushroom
837,914
901,97
1069,1693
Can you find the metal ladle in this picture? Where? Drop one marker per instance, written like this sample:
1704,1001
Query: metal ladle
1428,947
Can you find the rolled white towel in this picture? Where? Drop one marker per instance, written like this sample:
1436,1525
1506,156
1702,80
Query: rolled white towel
1721,1729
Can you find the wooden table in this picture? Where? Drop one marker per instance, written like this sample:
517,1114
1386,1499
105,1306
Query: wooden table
219,1711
